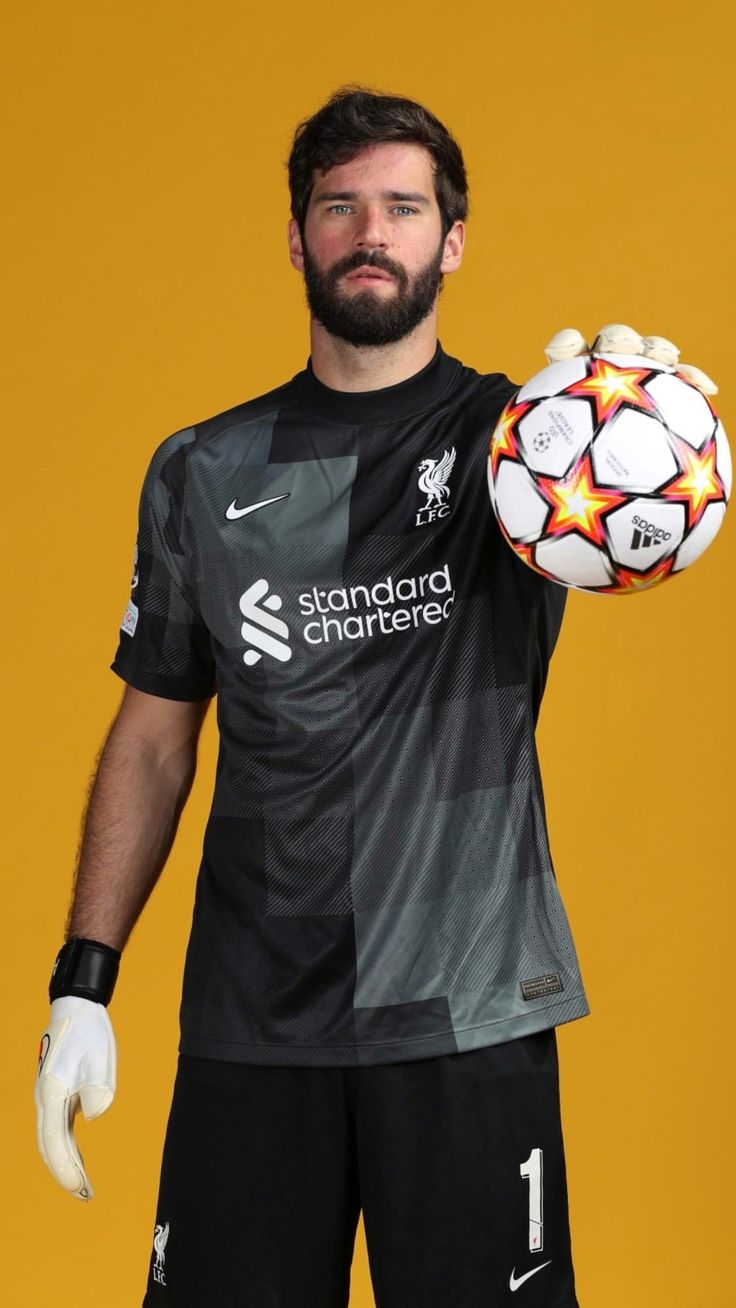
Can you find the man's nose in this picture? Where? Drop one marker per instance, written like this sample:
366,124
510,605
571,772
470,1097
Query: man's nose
372,227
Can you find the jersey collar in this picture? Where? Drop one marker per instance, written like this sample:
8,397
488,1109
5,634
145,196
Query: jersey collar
387,404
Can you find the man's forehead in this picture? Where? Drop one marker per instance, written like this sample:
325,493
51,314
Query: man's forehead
396,165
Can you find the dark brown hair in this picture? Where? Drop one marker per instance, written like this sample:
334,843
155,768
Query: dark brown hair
355,117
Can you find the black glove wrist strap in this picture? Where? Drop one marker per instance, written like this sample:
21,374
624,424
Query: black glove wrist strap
87,968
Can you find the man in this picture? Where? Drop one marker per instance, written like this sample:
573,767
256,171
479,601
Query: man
379,954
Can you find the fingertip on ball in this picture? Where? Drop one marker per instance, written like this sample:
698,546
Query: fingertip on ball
617,338
659,348
566,344
698,378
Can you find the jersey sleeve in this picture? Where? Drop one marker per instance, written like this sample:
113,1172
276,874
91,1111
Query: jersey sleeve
550,611
164,646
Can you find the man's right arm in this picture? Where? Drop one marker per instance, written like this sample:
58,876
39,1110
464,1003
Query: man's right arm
143,777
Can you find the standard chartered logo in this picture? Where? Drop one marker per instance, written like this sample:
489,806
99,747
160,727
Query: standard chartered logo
262,629
359,612
352,613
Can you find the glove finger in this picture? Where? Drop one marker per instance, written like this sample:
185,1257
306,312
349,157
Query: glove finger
56,1110
617,338
659,348
566,344
97,1077
95,1100
698,378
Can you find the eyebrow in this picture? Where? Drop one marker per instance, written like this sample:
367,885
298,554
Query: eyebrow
384,195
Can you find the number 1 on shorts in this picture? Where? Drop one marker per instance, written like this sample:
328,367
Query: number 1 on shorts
532,1170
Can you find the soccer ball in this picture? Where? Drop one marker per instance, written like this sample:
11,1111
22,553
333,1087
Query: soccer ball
609,472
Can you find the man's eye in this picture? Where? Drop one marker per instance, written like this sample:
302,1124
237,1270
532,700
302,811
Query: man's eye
338,206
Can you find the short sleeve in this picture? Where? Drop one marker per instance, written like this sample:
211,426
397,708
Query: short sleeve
164,647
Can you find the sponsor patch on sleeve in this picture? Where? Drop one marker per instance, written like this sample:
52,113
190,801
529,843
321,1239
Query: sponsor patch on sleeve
130,618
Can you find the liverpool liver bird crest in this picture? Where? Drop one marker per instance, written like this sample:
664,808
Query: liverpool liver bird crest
435,473
159,1244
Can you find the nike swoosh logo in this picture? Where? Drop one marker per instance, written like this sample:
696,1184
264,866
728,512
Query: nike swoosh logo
516,1281
232,512
43,1050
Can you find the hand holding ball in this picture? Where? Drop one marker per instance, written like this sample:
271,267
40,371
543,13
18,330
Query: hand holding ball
610,471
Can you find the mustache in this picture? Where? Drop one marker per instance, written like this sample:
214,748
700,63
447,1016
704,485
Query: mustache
358,260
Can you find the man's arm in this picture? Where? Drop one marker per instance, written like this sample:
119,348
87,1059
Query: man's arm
143,777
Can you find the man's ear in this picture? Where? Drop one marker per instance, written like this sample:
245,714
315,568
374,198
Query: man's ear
296,252
453,247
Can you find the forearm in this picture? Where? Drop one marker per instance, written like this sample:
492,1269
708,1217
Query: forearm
128,830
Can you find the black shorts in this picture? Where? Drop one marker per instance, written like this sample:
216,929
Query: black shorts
456,1162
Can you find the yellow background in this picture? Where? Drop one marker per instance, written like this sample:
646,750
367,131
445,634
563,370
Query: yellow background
147,287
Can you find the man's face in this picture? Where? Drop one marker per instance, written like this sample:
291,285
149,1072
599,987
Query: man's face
372,253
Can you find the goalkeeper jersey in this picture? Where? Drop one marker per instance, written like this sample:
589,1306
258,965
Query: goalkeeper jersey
375,883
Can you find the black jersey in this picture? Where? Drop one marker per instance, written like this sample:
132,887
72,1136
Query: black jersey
376,883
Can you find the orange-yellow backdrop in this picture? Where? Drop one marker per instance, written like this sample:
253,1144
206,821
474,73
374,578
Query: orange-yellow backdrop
148,286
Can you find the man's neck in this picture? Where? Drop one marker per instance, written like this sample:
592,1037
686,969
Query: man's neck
347,367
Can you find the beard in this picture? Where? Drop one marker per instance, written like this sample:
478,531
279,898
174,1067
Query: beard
369,317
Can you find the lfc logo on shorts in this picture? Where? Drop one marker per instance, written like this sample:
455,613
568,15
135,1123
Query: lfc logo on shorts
159,1245
433,482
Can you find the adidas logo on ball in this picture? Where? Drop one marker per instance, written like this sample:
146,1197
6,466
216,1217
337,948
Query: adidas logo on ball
646,533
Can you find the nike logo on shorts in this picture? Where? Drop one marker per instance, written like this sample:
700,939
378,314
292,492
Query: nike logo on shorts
232,512
516,1281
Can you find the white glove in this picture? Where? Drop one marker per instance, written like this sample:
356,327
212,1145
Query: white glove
617,338
77,1063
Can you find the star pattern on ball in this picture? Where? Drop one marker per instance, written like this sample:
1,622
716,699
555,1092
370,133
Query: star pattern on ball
699,483
504,443
527,553
612,386
578,504
627,581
